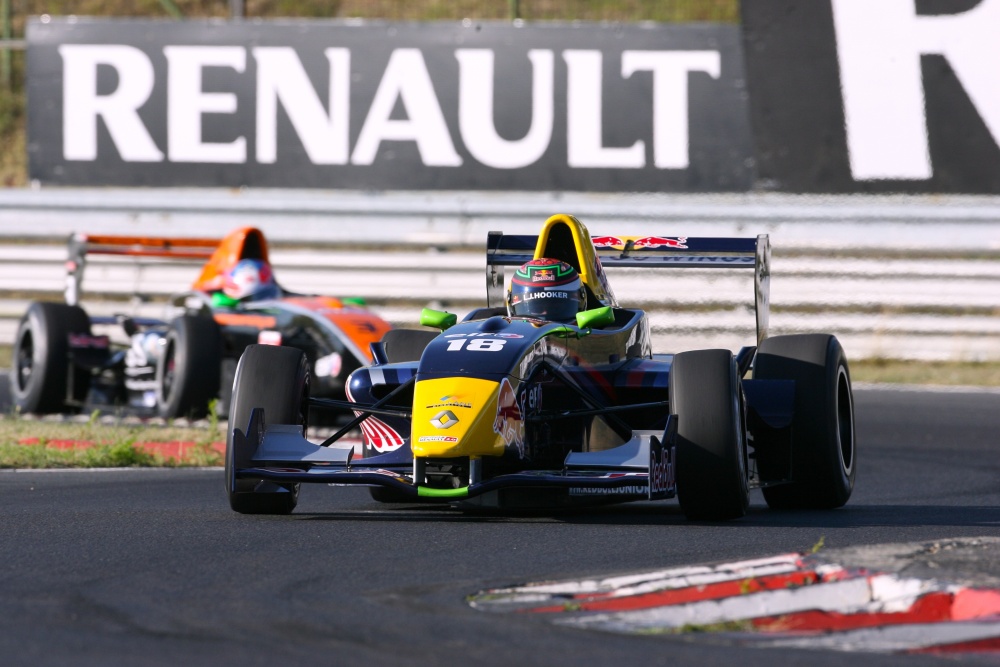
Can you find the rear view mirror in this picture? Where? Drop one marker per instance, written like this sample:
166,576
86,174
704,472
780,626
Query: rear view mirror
595,317
437,319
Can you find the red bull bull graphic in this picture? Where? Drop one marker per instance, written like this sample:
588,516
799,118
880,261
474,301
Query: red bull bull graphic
679,242
640,242
377,434
380,436
509,421
608,242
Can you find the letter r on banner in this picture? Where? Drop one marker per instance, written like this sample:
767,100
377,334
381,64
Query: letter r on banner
879,44
82,105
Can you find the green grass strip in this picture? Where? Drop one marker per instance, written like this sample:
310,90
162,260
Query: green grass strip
117,455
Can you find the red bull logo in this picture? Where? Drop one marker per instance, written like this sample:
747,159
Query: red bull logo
662,476
660,242
652,242
509,421
543,276
607,242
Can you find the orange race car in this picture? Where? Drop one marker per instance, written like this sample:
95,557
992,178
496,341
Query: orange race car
176,368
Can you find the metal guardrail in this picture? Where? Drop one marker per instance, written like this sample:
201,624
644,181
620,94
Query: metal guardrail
896,277
880,308
896,222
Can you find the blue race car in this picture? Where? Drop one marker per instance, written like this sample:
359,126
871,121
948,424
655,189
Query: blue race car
551,397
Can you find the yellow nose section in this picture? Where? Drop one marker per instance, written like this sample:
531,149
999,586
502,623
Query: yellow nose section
455,417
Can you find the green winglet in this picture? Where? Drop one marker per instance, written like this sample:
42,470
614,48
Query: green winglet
353,301
427,492
595,317
437,319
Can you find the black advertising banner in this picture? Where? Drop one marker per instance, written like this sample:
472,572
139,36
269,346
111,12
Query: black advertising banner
388,105
874,96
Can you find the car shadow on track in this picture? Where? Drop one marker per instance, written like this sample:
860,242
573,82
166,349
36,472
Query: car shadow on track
896,516
648,514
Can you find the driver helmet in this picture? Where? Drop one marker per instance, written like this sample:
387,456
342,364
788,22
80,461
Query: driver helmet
250,280
547,289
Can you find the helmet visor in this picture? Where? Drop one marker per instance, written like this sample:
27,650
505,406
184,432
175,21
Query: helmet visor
548,304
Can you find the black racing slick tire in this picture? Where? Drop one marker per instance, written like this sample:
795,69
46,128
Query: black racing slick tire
712,481
188,370
40,370
277,380
824,461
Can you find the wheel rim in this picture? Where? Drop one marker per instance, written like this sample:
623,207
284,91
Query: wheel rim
845,420
741,441
25,362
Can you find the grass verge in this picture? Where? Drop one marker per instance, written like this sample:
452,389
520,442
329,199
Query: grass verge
945,373
33,443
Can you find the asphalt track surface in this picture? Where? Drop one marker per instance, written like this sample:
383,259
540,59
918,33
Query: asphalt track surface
150,567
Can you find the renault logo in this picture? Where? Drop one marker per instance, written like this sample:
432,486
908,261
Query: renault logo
444,419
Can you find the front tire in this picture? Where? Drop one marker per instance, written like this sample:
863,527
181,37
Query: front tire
711,445
277,380
823,445
187,373
40,371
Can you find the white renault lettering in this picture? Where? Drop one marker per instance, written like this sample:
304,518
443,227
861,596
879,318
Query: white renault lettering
282,79
82,105
324,129
879,45
475,110
187,103
406,79
670,97
585,119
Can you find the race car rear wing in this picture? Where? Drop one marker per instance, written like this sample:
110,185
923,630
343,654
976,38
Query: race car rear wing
655,252
219,255
81,245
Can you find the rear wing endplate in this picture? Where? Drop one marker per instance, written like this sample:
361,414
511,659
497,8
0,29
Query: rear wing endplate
81,245
653,252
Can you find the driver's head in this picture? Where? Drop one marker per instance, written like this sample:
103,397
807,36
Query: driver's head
547,289
250,280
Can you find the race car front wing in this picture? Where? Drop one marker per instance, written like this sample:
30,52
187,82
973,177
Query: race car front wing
643,468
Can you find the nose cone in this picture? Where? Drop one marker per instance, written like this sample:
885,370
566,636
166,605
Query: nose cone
454,417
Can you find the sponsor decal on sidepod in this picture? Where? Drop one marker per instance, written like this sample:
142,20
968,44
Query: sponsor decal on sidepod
509,422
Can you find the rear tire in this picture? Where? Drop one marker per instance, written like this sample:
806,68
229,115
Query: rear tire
40,369
711,444
187,373
823,442
277,380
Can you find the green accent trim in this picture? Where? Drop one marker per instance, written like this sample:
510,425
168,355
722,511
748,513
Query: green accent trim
437,319
427,492
556,265
221,300
354,301
569,332
595,317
